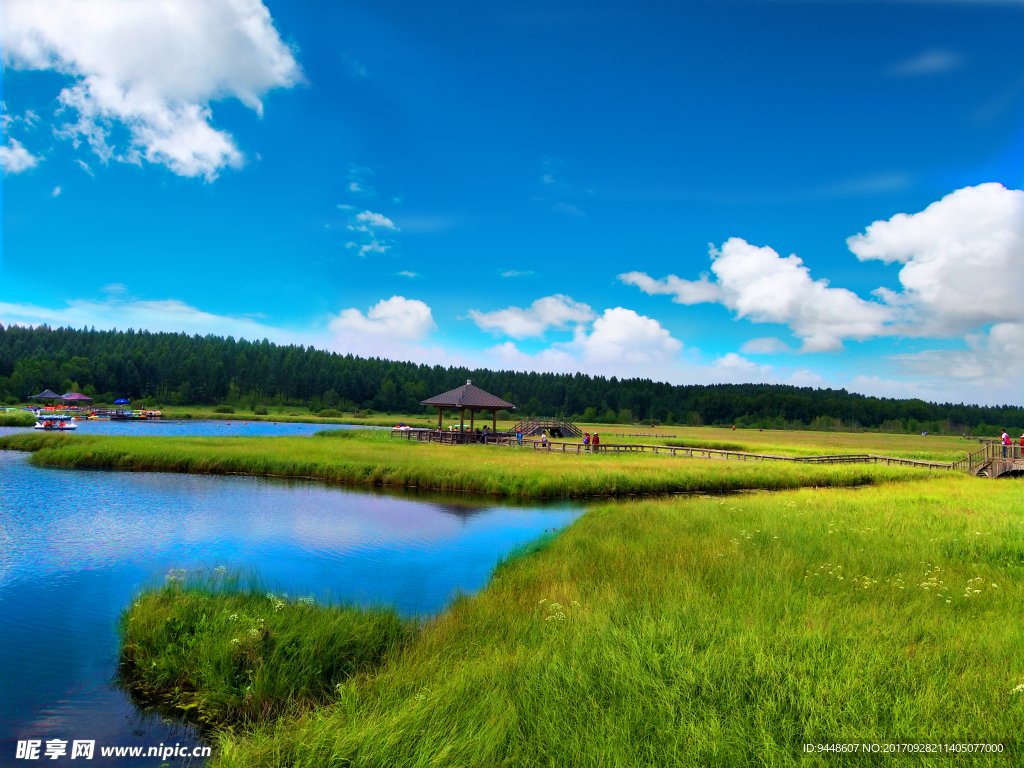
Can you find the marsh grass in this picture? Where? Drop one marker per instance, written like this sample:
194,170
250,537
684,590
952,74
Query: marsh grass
803,442
374,458
710,632
226,653
17,419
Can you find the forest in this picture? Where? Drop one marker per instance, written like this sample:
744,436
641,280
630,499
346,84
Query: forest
178,369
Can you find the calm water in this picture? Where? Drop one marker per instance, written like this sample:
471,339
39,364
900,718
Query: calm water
194,427
75,545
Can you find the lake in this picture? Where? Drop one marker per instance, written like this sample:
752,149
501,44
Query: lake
77,545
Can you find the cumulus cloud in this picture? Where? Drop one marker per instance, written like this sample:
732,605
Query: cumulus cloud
152,67
962,257
16,159
759,284
622,336
619,342
765,346
371,219
682,291
396,318
556,312
961,275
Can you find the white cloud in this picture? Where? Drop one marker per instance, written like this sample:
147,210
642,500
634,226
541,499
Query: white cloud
572,210
396,318
374,246
733,362
516,273
169,315
407,273
556,311
758,284
928,63
375,220
15,158
85,167
765,346
153,67
683,291
622,336
963,260
56,192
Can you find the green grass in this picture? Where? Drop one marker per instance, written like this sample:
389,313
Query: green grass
17,419
705,631
375,458
801,443
225,655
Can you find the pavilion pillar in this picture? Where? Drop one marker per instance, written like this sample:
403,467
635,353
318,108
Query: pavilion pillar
439,411
462,421
494,419
472,418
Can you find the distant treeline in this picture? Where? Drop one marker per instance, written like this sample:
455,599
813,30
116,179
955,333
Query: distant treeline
177,369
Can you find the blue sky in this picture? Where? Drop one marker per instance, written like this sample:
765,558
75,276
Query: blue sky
533,185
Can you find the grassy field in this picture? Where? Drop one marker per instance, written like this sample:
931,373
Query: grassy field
800,443
228,654
16,419
705,631
375,458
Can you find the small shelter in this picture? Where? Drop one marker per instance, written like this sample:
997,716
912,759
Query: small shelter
76,398
468,398
46,394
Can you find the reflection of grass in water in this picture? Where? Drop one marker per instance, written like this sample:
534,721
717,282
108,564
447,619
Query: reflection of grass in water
706,631
222,651
377,459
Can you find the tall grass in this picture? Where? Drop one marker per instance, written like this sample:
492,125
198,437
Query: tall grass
804,442
711,632
16,419
377,459
226,653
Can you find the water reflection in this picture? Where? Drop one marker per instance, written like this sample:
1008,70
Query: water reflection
76,545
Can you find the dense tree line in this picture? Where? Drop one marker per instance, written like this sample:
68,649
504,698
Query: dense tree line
177,369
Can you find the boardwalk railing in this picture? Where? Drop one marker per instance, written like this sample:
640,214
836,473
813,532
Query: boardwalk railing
506,439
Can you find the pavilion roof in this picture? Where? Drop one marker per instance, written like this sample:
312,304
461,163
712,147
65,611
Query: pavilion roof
467,396
46,394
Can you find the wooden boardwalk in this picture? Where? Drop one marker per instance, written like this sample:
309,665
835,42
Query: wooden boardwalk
564,446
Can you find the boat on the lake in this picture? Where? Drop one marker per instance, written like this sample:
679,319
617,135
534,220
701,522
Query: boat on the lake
57,422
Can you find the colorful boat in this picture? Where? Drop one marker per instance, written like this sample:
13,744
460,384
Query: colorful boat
55,422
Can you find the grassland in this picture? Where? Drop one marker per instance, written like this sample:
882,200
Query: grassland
16,419
799,443
228,654
705,631
375,458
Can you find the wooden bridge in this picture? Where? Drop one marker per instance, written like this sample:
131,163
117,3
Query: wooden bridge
994,460
987,462
554,426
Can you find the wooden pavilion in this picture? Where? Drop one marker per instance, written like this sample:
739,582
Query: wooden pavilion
468,398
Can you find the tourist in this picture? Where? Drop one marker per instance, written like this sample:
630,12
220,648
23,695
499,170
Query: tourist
519,435
596,441
586,441
1005,440
544,439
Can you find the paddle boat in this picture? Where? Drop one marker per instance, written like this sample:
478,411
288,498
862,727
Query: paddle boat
54,421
